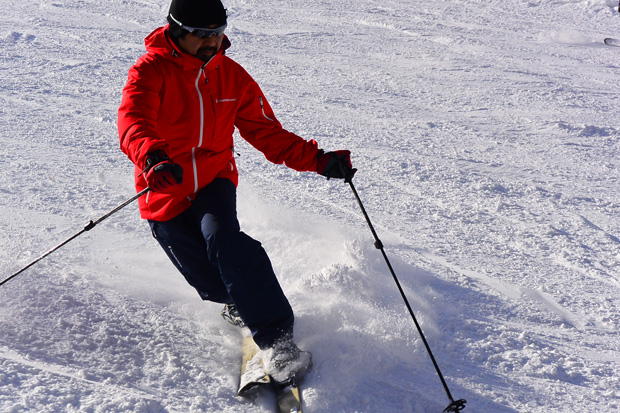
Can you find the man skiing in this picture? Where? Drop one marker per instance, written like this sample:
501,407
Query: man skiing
182,101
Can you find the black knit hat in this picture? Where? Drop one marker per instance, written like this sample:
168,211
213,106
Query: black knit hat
197,13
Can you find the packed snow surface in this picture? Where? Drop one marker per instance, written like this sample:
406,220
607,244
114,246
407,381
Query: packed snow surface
487,138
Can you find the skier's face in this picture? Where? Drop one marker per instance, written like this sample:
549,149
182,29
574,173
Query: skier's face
203,49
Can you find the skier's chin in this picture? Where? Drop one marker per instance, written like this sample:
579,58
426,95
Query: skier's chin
206,53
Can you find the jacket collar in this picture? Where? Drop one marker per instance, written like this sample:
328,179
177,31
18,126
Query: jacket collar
160,42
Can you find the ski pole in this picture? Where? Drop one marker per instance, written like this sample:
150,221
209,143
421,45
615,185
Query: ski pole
90,225
455,406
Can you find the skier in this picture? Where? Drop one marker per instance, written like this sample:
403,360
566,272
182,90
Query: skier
181,103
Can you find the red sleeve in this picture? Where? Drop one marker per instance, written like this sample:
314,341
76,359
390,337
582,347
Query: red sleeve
137,115
258,125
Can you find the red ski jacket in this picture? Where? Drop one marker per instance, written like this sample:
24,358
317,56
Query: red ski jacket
176,102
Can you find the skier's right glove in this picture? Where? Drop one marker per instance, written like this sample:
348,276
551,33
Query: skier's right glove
161,174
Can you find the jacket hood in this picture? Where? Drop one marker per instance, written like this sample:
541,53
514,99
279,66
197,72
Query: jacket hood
160,43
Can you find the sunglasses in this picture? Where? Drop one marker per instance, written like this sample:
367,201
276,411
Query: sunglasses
200,32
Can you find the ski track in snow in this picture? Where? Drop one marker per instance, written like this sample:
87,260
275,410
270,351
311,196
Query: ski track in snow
486,138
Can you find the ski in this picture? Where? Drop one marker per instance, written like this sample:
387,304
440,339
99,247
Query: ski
612,42
253,375
253,378
289,397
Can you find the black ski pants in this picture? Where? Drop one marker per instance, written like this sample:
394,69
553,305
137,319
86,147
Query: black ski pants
224,264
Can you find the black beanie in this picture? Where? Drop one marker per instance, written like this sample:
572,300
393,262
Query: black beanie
197,13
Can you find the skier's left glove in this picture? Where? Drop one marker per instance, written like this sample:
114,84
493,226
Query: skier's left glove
336,164
161,174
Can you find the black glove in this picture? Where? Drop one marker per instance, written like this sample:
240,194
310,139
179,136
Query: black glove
161,174
336,164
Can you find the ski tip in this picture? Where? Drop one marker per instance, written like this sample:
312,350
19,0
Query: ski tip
251,389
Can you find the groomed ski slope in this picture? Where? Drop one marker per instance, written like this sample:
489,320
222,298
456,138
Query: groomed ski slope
486,134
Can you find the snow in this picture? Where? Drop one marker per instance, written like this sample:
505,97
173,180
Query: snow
487,140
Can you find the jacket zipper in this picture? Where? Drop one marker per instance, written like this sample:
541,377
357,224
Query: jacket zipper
200,135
